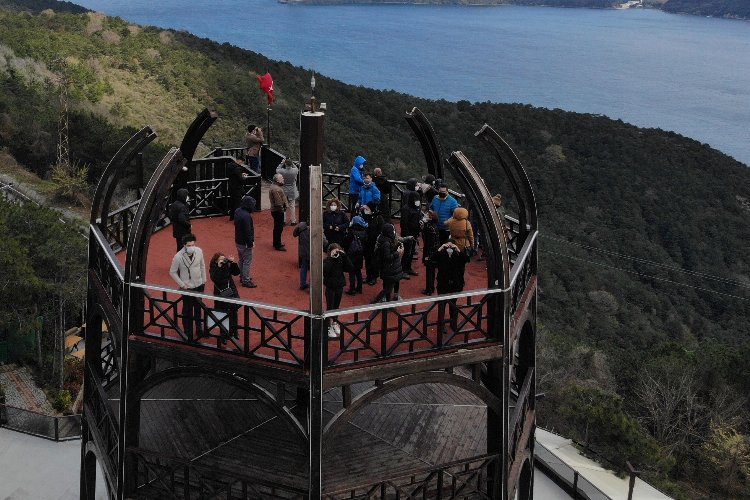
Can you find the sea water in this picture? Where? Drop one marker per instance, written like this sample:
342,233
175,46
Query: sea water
682,73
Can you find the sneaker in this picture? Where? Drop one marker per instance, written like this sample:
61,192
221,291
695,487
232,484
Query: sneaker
332,332
350,292
337,328
304,287
398,298
249,284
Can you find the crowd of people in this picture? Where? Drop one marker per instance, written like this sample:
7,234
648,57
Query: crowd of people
360,241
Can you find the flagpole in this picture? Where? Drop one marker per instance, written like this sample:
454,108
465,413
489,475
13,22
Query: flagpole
268,125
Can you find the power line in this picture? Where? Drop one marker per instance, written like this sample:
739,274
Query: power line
650,262
601,264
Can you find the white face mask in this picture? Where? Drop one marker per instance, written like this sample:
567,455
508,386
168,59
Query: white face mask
334,208
417,203
189,250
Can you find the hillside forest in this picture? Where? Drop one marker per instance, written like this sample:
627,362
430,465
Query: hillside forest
644,273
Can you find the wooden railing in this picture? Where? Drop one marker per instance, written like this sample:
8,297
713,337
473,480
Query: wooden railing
163,476
405,328
475,478
249,329
102,422
107,268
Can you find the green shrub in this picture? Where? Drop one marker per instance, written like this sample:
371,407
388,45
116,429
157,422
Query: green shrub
62,401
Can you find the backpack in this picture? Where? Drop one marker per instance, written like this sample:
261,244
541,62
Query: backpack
355,248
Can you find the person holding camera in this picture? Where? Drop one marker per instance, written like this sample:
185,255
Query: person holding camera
221,269
334,266
451,265
389,249
253,141
290,171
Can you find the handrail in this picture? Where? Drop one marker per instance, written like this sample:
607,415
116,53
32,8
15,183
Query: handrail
522,256
51,422
239,302
107,251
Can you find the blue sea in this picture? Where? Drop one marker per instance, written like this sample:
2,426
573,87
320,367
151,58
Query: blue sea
682,73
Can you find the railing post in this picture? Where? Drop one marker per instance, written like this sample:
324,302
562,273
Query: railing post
57,428
633,474
575,485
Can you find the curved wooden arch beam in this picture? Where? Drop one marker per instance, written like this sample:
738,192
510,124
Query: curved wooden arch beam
428,140
113,172
517,176
344,416
154,197
282,411
473,186
195,133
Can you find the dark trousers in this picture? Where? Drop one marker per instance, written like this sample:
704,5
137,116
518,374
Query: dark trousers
278,227
370,272
234,203
333,297
452,313
429,284
192,313
390,286
304,267
178,240
254,163
355,280
353,199
409,247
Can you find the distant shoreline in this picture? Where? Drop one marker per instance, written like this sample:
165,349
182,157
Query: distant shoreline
564,4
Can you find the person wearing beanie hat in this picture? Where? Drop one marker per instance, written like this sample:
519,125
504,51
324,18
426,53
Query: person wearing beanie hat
179,215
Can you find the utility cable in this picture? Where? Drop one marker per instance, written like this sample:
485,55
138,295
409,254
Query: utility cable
649,262
601,264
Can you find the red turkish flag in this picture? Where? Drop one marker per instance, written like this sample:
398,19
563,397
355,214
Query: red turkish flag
266,85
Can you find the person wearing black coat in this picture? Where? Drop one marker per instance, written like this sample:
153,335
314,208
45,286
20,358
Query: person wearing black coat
431,243
411,218
390,252
335,222
356,239
236,175
451,265
334,267
221,270
375,224
244,238
179,215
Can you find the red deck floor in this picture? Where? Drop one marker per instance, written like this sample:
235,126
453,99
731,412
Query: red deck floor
276,273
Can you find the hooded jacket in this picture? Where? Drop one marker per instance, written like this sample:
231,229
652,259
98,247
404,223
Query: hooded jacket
179,214
460,228
244,230
356,180
390,260
368,194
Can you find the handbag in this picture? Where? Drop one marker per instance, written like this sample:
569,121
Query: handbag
228,292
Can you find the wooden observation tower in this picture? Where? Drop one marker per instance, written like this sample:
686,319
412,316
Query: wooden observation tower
403,404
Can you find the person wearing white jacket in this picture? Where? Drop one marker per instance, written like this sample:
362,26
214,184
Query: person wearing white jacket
189,272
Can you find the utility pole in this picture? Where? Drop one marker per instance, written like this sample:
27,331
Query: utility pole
63,142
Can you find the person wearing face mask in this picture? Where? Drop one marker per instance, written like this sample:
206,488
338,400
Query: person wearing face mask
335,222
278,208
356,181
334,266
431,241
179,215
188,270
411,218
443,204
369,192
451,265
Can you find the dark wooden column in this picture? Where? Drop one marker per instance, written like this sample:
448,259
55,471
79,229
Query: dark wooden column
316,336
311,152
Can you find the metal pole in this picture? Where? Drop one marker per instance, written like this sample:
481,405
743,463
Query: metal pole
575,485
268,125
633,474
311,152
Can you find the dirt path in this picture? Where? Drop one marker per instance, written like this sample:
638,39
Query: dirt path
22,392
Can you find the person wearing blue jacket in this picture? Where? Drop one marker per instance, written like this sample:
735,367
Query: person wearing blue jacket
356,181
369,192
443,205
